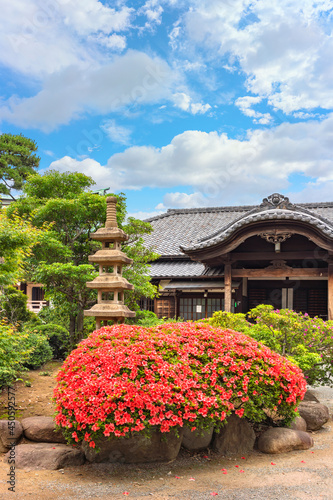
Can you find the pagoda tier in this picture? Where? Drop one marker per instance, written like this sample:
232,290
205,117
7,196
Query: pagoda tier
110,284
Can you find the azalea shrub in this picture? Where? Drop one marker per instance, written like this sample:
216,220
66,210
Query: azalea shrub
306,341
125,379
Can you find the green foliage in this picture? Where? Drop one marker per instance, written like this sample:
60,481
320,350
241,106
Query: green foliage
53,315
13,353
149,318
17,238
57,335
17,161
235,321
13,305
306,341
54,184
39,347
145,318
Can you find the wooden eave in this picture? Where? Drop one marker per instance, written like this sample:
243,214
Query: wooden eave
218,252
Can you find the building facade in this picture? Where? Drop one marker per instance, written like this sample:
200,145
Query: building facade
234,258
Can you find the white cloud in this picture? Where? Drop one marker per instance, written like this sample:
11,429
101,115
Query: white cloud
245,105
305,116
113,41
153,10
116,133
181,200
129,79
184,102
219,169
48,152
90,16
40,38
313,192
174,35
144,215
197,107
282,47
92,168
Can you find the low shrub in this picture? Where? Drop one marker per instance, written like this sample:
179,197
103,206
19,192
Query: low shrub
13,353
125,379
57,335
234,321
306,341
40,350
144,318
13,305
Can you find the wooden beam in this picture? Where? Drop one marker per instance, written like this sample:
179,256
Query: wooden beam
244,287
279,273
306,255
227,288
330,291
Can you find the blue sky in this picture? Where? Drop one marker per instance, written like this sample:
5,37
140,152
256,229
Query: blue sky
178,104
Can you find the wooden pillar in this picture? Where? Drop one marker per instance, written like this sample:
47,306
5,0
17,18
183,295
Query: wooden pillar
244,287
176,304
227,288
330,290
29,291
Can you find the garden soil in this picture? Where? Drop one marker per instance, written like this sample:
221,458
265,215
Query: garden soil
192,476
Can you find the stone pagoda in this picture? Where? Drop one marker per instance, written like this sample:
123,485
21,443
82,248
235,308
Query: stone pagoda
110,283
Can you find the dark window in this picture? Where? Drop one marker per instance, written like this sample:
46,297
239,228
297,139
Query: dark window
146,304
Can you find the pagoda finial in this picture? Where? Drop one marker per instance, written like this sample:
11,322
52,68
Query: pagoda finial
111,212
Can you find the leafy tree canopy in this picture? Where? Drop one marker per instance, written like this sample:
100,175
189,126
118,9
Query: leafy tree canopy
17,239
17,161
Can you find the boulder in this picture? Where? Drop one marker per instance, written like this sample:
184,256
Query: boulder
10,431
138,448
50,456
309,396
197,439
315,414
298,424
236,437
42,429
281,440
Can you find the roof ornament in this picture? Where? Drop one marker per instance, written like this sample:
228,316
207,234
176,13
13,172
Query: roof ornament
276,200
275,236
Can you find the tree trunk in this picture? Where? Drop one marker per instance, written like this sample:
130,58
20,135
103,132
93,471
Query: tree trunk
72,318
79,324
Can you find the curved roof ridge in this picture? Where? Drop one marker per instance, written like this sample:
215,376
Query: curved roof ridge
230,208
180,211
276,206
281,202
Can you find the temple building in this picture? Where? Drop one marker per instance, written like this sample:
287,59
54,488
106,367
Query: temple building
234,258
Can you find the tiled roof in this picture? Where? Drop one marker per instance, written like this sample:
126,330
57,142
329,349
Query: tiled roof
186,227
176,269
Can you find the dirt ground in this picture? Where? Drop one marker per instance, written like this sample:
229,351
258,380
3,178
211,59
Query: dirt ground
295,476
